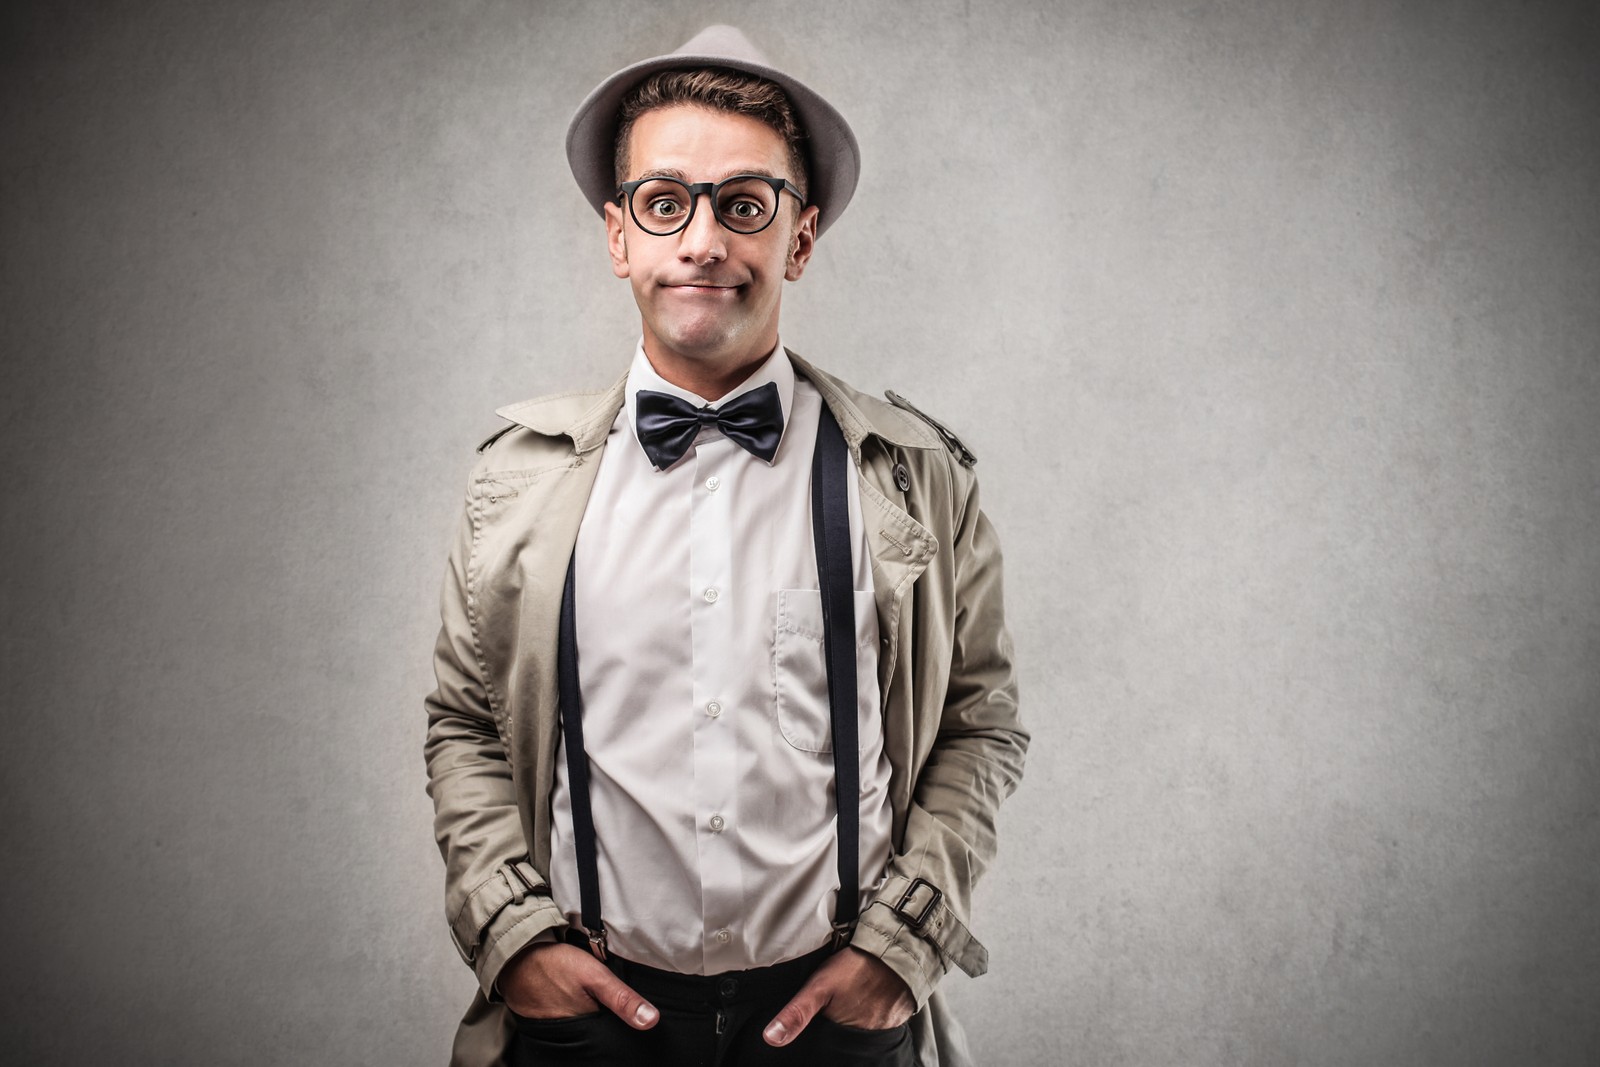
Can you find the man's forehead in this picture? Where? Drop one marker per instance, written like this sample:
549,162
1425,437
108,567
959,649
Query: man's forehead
698,144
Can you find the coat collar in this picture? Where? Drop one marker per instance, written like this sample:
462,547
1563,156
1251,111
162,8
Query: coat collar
586,417
861,416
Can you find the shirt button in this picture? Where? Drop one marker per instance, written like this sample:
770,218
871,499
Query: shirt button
717,823
724,936
711,596
713,482
713,709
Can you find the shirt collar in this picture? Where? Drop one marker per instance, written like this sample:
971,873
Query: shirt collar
775,368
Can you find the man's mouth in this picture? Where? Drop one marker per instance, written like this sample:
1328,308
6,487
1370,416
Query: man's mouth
701,287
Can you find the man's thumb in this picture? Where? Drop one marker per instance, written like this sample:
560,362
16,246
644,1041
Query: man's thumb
795,1017
628,1006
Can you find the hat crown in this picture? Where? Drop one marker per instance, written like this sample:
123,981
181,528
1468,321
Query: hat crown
725,41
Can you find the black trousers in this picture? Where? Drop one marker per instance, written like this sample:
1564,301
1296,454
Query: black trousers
708,1021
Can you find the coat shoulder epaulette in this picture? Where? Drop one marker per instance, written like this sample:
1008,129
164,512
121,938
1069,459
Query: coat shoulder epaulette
488,442
951,441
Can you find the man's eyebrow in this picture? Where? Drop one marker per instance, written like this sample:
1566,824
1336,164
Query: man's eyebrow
674,172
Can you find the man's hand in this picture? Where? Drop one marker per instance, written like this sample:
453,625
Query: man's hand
556,980
852,988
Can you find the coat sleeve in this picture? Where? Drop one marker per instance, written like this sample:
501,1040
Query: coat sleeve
496,902
917,923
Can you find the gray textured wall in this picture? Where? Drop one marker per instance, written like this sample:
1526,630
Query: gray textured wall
1274,325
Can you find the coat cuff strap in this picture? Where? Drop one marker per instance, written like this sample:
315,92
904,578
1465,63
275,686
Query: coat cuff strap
911,928
511,884
921,908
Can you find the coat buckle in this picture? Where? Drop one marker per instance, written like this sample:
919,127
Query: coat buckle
920,918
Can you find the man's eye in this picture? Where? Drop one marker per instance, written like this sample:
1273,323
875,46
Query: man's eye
663,209
744,209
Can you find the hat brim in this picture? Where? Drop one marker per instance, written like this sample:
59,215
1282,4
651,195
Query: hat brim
831,150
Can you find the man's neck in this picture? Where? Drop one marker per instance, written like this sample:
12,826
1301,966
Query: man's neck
706,379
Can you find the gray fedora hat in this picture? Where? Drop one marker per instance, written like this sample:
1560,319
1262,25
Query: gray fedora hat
831,149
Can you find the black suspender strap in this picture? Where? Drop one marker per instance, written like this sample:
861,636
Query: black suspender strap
830,525
578,771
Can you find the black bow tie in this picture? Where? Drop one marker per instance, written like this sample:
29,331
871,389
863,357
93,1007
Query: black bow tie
667,424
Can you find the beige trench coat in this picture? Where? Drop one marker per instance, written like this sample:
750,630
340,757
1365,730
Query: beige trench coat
954,740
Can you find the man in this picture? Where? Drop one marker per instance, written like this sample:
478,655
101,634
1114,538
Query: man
725,703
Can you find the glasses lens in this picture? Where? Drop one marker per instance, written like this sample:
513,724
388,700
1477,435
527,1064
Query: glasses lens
746,205
661,206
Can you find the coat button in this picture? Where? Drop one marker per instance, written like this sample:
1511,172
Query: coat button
902,477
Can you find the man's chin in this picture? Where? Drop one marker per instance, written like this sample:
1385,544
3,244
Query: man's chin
711,347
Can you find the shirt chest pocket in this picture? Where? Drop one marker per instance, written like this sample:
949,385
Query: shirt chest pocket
799,666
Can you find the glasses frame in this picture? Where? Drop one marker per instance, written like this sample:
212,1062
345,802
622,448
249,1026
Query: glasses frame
696,189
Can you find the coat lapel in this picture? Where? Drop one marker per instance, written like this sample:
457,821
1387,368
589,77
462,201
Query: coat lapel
901,548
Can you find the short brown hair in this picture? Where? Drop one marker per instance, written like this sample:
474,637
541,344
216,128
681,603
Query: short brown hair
719,89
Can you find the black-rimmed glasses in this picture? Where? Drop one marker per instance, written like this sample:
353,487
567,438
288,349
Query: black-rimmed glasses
744,203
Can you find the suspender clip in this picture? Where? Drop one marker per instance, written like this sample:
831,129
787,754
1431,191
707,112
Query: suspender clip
597,943
842,933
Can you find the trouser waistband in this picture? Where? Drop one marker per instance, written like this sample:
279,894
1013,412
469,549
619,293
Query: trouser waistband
712,990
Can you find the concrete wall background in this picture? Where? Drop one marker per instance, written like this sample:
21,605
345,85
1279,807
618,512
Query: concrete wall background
1273,324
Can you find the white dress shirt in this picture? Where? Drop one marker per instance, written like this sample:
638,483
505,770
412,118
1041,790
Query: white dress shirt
705,698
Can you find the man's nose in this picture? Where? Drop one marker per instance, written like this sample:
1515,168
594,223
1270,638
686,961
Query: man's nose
704,240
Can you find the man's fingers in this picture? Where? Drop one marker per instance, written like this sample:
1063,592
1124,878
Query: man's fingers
628,1006
795,1016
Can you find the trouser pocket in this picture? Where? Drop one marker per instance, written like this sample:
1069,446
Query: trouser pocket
852,1046
595,1038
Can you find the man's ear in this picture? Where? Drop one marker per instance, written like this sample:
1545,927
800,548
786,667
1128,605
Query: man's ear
616,241
801,243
